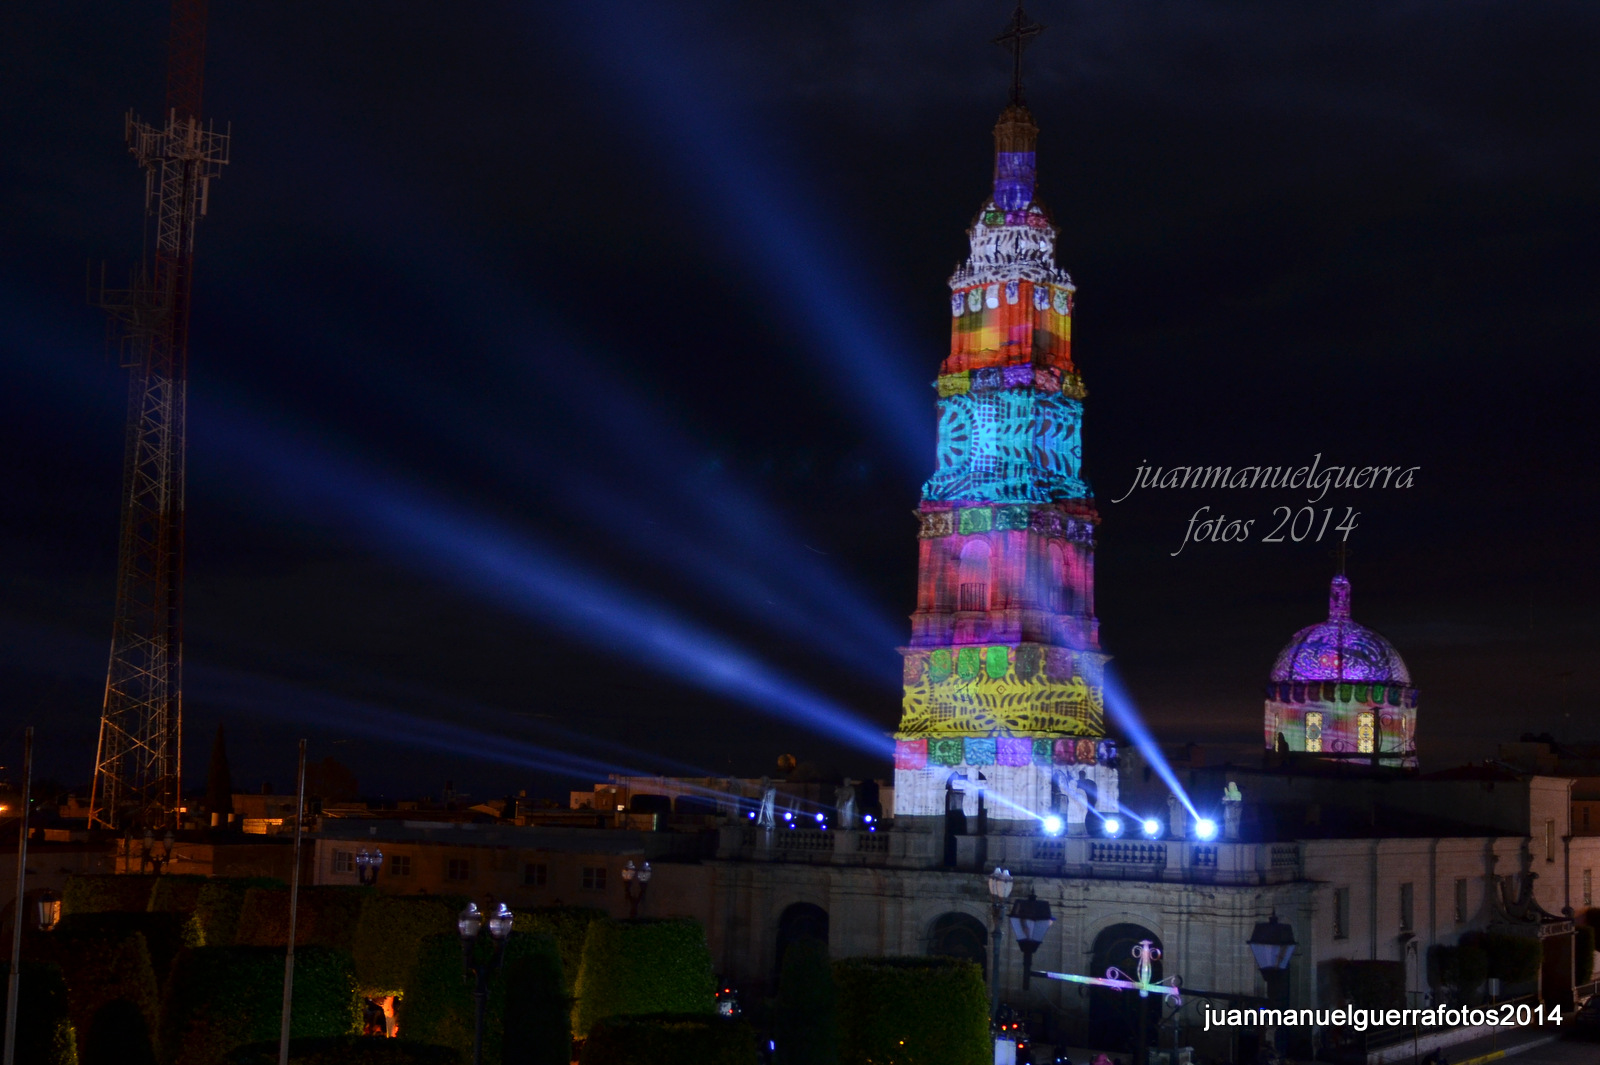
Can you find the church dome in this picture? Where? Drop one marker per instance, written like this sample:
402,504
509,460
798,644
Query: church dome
1340,650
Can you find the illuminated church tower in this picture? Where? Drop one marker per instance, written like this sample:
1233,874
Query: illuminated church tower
1003,693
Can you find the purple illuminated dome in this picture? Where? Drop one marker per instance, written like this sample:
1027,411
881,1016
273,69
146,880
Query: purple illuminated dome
1339,649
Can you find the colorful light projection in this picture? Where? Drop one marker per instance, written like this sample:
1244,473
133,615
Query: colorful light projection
1015,322
1341,690
979,690
1016,446
1004,666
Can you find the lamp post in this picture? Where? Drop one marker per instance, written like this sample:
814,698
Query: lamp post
1273,945
368,866
999,891
635,881
1030,920
478,971
150,855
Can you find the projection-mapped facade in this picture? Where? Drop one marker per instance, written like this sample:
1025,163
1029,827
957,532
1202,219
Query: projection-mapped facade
1003,692
1341,691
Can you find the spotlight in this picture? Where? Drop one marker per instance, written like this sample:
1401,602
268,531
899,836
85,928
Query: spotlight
820,819
1152,827
1205,828
867,818
1053,825
787,816
1112,826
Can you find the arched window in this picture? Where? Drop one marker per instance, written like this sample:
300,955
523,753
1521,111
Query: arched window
959,935
974,582
800,921
1059,598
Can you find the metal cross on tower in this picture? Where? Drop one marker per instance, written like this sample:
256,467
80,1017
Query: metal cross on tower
1017,36
137,765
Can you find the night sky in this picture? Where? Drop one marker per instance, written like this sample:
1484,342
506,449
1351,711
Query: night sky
560,372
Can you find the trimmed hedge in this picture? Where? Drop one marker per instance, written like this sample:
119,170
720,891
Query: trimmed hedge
805,1019
327,916
526,1018
219,902
107,893
1513,959
643,966
348,1050
569,926
1583,947
1463,967
176,893
166,935
114,998
670,1039
44,1030
221,998
389,934
912,1011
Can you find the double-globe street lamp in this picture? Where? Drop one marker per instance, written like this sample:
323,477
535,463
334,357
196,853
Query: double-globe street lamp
368,866
635,881
479,970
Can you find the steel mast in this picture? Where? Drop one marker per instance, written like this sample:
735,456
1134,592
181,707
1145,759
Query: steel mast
138,763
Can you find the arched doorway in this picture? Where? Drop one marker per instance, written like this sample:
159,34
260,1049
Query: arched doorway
800,921
960,935
1114,1015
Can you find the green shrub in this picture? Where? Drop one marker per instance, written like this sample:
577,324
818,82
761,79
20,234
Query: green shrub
670,1039
325,916
107,893
805,1020
389,933
176,894
1513,959
525,1019
219,902
1376,985
348,1050
165,934
44,1029
912,1011
113,997
1583,948
643,966
222,998
568,925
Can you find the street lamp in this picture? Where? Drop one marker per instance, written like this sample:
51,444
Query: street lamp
634,883
49,909
999,891
1030,920
153,857
469,923
1273,945
368,866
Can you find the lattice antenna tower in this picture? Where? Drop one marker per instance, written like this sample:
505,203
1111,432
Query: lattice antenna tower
140,753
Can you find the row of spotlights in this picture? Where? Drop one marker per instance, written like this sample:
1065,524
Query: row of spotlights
1204,828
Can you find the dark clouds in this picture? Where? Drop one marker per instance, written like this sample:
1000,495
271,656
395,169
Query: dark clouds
518,257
